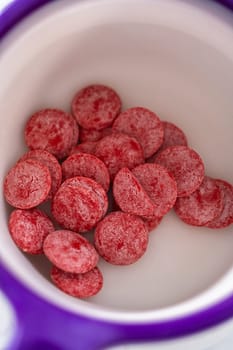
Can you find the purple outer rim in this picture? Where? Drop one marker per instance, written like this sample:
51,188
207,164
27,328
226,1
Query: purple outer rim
44,325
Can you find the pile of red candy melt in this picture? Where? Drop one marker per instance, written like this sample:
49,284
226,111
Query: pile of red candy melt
117,173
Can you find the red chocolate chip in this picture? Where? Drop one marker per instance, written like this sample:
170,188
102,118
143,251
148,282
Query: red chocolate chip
27,184
202,206
84,164
82,285
96,106
144,125
70,252
51,162
85,147
130,195
93,135
89,135
52,130
79,204
119,151
159,185
186,166
226,217
120,238
29,229
152,223
173,136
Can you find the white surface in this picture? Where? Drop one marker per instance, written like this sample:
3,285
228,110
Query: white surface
155,55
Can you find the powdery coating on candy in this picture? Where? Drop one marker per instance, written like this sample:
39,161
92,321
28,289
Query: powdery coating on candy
76,134
94,187
144,125
89,135
119,151
202,206
79,204
96,106
173,136
85,147
152,223
70,252
159,185
120,238
186,166
51,162
81,285
27,184
52,130
93,135
226,216
29,229
130,195
84,164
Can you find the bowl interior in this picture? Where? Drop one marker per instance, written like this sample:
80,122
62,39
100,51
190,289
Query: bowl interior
181,72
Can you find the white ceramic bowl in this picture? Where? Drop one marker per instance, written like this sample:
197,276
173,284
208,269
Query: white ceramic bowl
174,57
